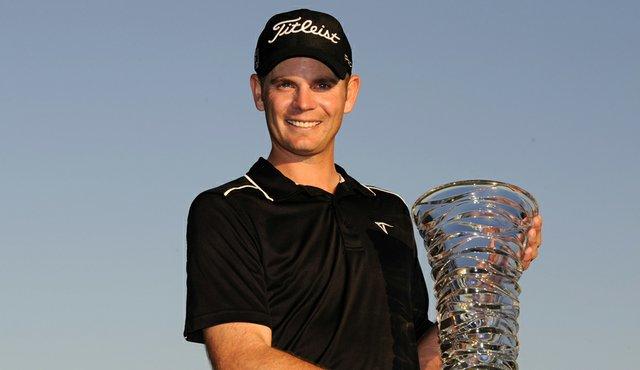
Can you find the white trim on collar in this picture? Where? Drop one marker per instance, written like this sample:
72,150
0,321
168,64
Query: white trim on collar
259,188
386,191
253,186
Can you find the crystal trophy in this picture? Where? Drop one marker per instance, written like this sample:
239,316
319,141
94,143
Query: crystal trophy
475,233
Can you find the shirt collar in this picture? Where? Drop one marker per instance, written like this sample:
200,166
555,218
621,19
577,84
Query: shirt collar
277,186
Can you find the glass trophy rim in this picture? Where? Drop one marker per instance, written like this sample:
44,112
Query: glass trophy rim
472,182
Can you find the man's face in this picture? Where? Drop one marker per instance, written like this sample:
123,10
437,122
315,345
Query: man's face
304,103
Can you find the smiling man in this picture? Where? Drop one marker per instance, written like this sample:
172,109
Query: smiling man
296,265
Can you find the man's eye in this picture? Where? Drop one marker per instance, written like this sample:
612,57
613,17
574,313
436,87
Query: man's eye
285,85
324,85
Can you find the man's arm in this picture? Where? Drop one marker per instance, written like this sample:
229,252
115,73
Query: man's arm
241,345
429,350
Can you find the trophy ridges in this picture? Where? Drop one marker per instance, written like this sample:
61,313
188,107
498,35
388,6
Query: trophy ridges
475,232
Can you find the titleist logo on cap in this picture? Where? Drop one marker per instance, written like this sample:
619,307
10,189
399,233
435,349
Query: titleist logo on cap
303,33
290,26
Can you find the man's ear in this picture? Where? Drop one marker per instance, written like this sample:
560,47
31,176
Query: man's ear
256,90
353,87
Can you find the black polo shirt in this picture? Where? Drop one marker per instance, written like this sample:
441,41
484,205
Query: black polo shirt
335,276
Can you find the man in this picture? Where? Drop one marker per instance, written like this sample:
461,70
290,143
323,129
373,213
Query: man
297,265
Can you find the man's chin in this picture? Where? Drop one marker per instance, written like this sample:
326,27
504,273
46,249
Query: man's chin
300,152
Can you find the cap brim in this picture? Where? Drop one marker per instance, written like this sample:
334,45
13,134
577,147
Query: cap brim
339,69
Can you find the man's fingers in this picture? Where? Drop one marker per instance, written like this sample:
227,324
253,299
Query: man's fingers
537,222
534,237
537,226
530,254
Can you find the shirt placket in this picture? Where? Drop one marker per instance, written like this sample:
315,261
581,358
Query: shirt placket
347,226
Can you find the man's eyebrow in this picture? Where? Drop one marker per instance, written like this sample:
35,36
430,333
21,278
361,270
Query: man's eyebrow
328,79
278,79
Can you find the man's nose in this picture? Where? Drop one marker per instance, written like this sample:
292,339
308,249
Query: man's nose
304,98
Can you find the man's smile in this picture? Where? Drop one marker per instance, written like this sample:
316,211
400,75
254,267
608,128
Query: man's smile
303,124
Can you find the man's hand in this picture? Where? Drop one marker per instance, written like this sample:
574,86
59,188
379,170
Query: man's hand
534,241
429,350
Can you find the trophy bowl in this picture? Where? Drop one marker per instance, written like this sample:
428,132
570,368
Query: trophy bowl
475,233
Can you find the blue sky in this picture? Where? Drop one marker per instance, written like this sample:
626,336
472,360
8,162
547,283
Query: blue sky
114,115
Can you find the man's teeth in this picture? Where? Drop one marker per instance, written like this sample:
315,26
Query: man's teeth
303,123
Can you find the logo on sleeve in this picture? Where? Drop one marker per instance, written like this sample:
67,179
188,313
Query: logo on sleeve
383,226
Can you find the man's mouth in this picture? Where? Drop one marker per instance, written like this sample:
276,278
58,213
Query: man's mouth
303,124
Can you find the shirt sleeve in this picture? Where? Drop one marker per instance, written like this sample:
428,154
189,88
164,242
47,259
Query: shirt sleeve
420,302
225,277
419,292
